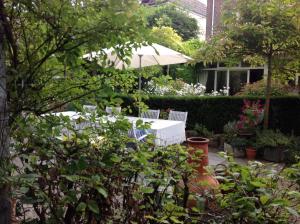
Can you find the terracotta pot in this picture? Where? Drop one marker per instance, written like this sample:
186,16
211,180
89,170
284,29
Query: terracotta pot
251,153
198,185
196,144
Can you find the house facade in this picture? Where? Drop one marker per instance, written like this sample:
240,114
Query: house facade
218,76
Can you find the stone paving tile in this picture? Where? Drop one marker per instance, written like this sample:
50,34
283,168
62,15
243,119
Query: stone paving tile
214,158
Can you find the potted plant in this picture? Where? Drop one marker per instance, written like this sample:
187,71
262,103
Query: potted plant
250,151
230,132
251,117
273,143
239,145
202,131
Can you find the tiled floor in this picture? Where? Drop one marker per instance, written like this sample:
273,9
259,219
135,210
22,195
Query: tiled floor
214,159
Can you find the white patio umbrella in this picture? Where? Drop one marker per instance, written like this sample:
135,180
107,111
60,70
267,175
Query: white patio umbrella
143,56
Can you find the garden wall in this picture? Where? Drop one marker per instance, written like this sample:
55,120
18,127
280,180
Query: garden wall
215,112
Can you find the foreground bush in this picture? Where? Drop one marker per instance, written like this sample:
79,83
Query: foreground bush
91,175
259,193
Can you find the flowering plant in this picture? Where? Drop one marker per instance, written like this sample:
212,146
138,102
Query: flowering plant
175,87
252,115
222,92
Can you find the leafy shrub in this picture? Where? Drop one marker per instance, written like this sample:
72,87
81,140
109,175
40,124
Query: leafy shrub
90,174
257,193
203,131
271,139
239,142
180,21
167,37
293,150
230,131
259,88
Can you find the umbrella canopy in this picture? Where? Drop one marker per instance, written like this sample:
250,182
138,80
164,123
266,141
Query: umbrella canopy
144,56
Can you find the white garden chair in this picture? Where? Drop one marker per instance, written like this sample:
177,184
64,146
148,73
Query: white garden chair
113,110
90,108
152,114
138,134
178,116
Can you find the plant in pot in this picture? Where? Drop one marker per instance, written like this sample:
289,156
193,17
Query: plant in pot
239,145
273,143
251,117
230,132
202,131
251,149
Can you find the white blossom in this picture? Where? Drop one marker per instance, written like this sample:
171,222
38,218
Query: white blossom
186,89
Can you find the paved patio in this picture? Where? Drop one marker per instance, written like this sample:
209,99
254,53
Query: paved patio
215,159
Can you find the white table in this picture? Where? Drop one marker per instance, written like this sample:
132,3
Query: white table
166,132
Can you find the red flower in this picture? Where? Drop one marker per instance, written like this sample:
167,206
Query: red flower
251,115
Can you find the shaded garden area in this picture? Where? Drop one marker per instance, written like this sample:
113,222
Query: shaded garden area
77,143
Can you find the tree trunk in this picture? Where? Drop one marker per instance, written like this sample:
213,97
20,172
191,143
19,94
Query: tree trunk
268,92
5,202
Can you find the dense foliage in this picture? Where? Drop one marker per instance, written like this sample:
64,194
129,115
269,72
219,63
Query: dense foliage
41,65
258,194
88,169
184,25
167,37
85,171
259,88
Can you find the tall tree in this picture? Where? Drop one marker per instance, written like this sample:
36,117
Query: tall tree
179,20
259,32
41,44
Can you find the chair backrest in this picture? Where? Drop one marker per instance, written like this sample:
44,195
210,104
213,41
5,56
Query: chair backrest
153,114
178,116
113,110
90,108
138,134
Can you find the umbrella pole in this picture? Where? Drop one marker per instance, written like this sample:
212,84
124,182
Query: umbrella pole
140,78
140,82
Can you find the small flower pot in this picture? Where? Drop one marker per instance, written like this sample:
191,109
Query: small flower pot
251,153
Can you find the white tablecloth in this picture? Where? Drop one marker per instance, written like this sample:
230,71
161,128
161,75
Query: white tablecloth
166,132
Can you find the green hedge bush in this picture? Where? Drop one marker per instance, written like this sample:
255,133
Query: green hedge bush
215,112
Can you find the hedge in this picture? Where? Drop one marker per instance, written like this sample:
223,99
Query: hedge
215,112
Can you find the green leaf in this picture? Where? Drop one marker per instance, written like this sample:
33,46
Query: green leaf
102,191
294,193
175,220
92,205
72,178
293,212
147,190
81,207
116,159
257,184
264,198
24,190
